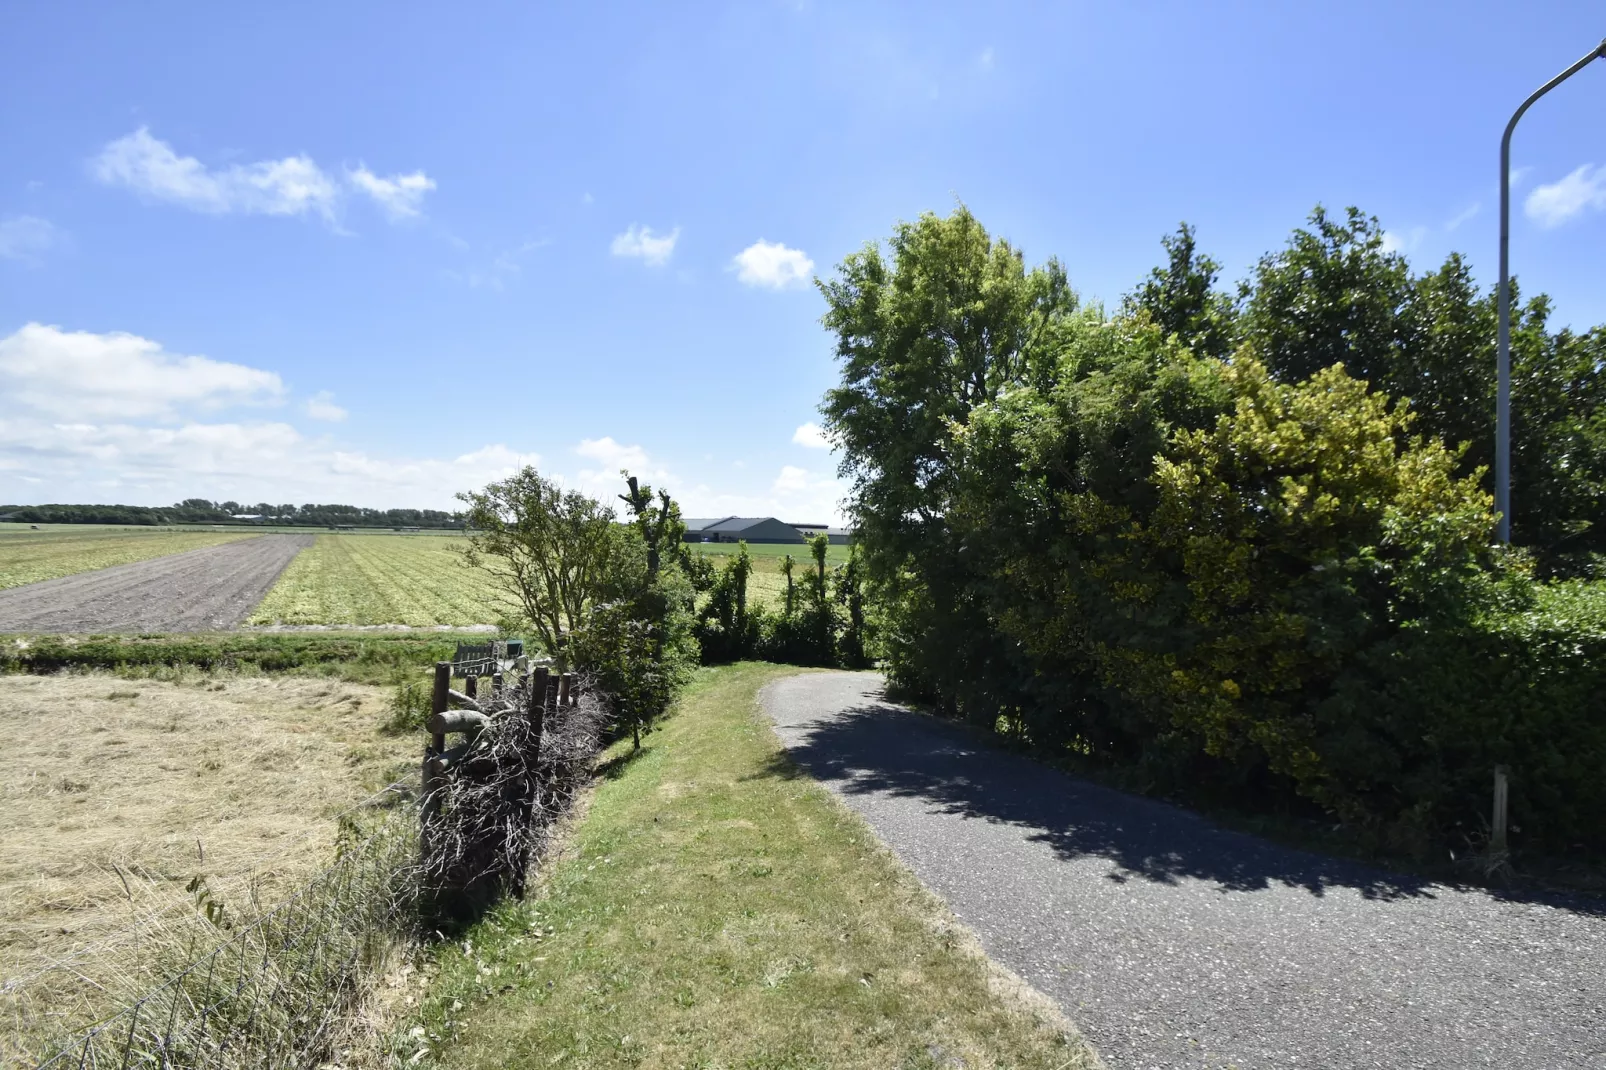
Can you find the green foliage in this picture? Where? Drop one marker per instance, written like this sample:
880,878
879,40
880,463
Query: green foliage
552,553
945,320
608,599
409,706
1223,542
365,657
726,629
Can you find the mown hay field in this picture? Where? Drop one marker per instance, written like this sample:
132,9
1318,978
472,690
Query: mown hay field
367,580
31,556
118,793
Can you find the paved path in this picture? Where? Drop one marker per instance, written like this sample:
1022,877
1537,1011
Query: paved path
209,589
1174,943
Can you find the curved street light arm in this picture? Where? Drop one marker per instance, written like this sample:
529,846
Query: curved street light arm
1502,445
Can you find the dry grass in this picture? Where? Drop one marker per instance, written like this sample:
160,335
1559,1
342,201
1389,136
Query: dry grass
118,793
31,556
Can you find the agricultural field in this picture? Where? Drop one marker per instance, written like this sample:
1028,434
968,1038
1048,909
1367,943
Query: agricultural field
28,556
370,580
119,792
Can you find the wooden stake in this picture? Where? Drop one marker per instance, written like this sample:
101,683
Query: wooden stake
438,697
563,690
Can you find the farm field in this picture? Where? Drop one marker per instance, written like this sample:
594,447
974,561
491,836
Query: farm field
28,556
367,580
118,792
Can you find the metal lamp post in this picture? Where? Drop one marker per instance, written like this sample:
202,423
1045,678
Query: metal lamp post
1502,441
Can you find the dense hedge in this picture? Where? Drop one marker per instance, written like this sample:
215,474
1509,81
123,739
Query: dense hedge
1188,539
1522,685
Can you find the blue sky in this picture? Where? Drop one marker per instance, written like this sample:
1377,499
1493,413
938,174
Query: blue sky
377,253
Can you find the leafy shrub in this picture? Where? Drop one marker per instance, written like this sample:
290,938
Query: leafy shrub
1239,571
409,707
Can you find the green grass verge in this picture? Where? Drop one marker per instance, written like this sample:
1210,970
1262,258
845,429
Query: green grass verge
360,658
714,911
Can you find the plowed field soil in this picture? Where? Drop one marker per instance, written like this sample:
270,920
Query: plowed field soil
203,590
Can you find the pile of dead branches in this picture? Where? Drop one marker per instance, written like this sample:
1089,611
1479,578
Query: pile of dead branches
491,801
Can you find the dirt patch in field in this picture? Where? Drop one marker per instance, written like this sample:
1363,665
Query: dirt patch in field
118,793
202,590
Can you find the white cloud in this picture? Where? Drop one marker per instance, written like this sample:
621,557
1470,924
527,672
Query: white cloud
1464,217
642,243
294,185
772,265
612,455
399,195
115,417
321,406
811,435
25,237
791,480
80,375
267,461
1395,241
608,457
1582,190
795,495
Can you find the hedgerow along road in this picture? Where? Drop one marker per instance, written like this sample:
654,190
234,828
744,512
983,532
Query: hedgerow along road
1172,942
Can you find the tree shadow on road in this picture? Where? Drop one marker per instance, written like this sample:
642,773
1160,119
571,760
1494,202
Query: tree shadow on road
877,747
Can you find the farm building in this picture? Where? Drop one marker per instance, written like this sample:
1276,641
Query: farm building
741,529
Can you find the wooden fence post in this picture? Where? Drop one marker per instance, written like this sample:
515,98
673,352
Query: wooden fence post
437,698
434,778
1497,820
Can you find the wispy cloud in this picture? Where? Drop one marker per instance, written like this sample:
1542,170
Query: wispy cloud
292,186
642,244
1582,190
1464,217
1403,241
504,267
321,406
401,196
772,265
26,238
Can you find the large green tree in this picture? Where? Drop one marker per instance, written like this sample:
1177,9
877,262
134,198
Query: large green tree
943,319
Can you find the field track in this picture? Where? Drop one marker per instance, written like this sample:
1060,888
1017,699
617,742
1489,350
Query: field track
202,590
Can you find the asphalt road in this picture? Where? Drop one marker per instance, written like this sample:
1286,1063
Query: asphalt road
1172,942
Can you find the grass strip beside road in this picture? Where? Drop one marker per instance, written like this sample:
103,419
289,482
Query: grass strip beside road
29,557
715,909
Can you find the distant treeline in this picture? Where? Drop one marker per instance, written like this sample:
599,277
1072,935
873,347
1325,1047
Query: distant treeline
201,511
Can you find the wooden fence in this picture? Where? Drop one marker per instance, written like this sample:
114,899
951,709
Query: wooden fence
481,793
